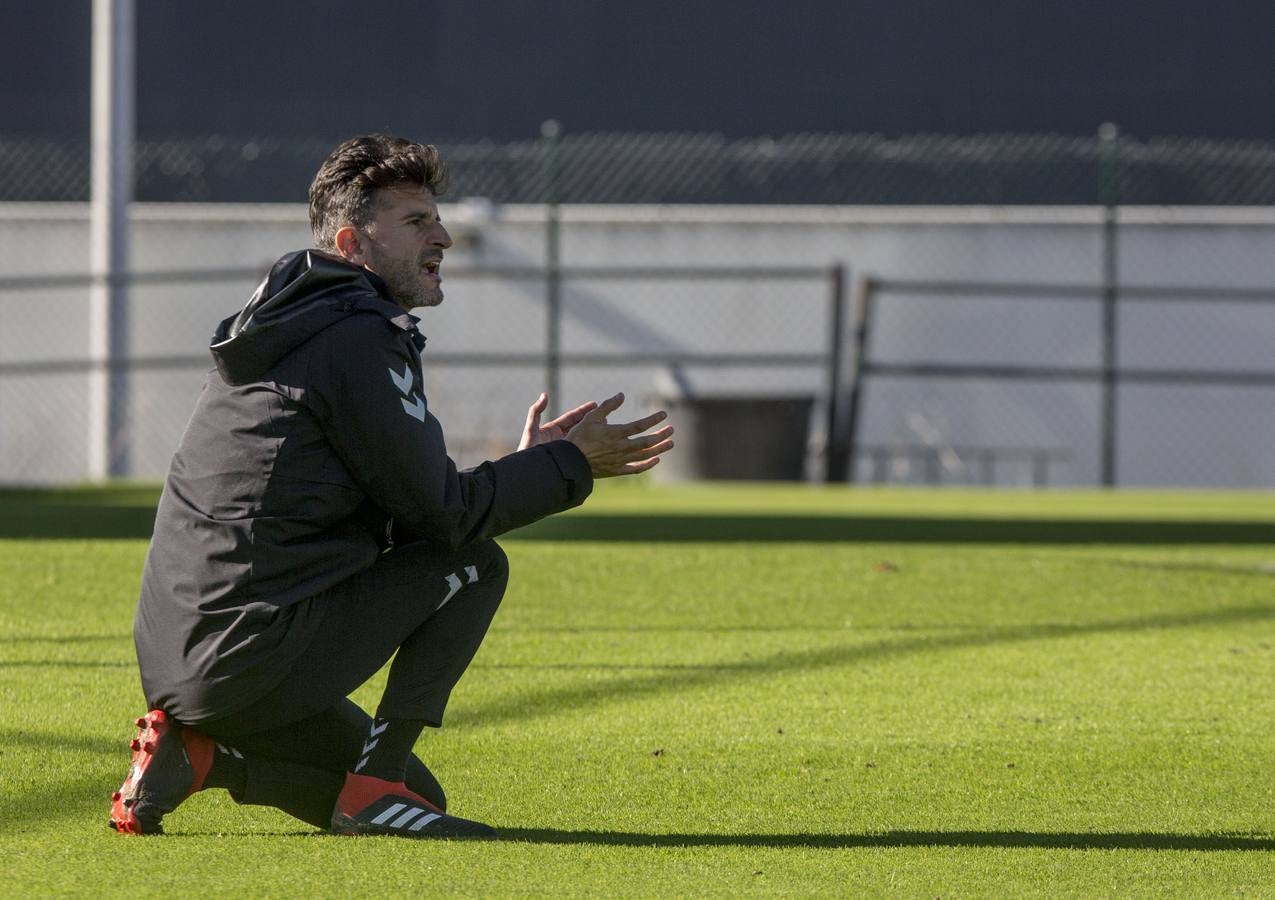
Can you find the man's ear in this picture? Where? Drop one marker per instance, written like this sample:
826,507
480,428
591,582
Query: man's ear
350,245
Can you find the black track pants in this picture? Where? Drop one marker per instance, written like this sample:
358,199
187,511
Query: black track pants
300,739
300,767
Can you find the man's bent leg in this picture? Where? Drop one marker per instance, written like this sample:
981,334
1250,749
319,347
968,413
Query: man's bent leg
432,660
300,767
434,657
425,670
302,791
434,610
329,740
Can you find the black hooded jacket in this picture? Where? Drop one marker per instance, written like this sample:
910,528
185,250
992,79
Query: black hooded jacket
310,449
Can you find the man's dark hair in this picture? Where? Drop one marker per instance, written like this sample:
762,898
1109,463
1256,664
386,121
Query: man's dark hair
345,187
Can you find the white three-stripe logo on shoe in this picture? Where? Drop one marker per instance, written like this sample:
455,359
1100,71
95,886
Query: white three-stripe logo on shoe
413,406
406,817
229,751
423,821
454,584
379,820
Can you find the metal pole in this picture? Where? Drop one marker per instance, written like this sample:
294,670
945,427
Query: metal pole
112,188
1040,469
932,470
1109,154
863,290
834,467
550,131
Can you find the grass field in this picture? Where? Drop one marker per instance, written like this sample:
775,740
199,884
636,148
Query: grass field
732,690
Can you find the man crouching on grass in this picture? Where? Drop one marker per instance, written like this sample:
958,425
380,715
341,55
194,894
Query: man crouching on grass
312,526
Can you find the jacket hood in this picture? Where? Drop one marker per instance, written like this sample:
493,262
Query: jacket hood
305,292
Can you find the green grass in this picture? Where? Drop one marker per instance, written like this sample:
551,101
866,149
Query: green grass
732,690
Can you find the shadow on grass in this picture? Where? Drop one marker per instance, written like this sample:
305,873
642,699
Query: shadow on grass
131,515
609,667
57,799
14,737
821,627
69,521
554,700
1047,840
82,797
62,639
64,664
1194,567
891,530
1008,839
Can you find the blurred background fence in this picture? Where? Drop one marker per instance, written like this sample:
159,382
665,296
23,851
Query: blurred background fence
505,333
1171,374
1043,309
852,169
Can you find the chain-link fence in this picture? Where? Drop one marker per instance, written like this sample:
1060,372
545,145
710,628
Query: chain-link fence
664,335
1105,383
693,168
717,302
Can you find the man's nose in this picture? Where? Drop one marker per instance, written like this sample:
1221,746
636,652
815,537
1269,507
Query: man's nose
441,238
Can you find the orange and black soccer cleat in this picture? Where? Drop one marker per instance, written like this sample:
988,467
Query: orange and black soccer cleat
170,762
370,805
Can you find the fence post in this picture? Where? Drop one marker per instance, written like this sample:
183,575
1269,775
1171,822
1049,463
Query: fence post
1109,158
550,130
112,189
863,301
835,445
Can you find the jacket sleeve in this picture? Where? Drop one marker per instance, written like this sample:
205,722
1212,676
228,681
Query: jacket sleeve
364,386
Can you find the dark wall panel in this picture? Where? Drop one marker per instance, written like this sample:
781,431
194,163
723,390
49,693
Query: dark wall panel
457,69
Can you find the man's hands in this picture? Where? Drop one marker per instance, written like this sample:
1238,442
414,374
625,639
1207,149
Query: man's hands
619,449
534,433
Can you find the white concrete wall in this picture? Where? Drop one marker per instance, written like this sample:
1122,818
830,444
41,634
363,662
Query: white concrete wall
1168,435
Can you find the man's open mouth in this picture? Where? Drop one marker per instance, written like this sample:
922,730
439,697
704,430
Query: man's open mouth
432,266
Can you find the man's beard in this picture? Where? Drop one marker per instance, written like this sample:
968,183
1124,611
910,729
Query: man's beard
407,287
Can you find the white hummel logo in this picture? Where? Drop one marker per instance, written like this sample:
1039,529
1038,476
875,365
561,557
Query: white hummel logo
374,738
454,584
413,406
405,381
415,409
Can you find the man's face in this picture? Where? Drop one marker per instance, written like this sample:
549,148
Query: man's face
404,245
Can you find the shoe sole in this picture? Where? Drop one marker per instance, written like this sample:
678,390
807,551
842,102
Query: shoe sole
441,827
151,729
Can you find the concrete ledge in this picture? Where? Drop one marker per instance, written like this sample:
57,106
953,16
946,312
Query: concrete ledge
621,214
